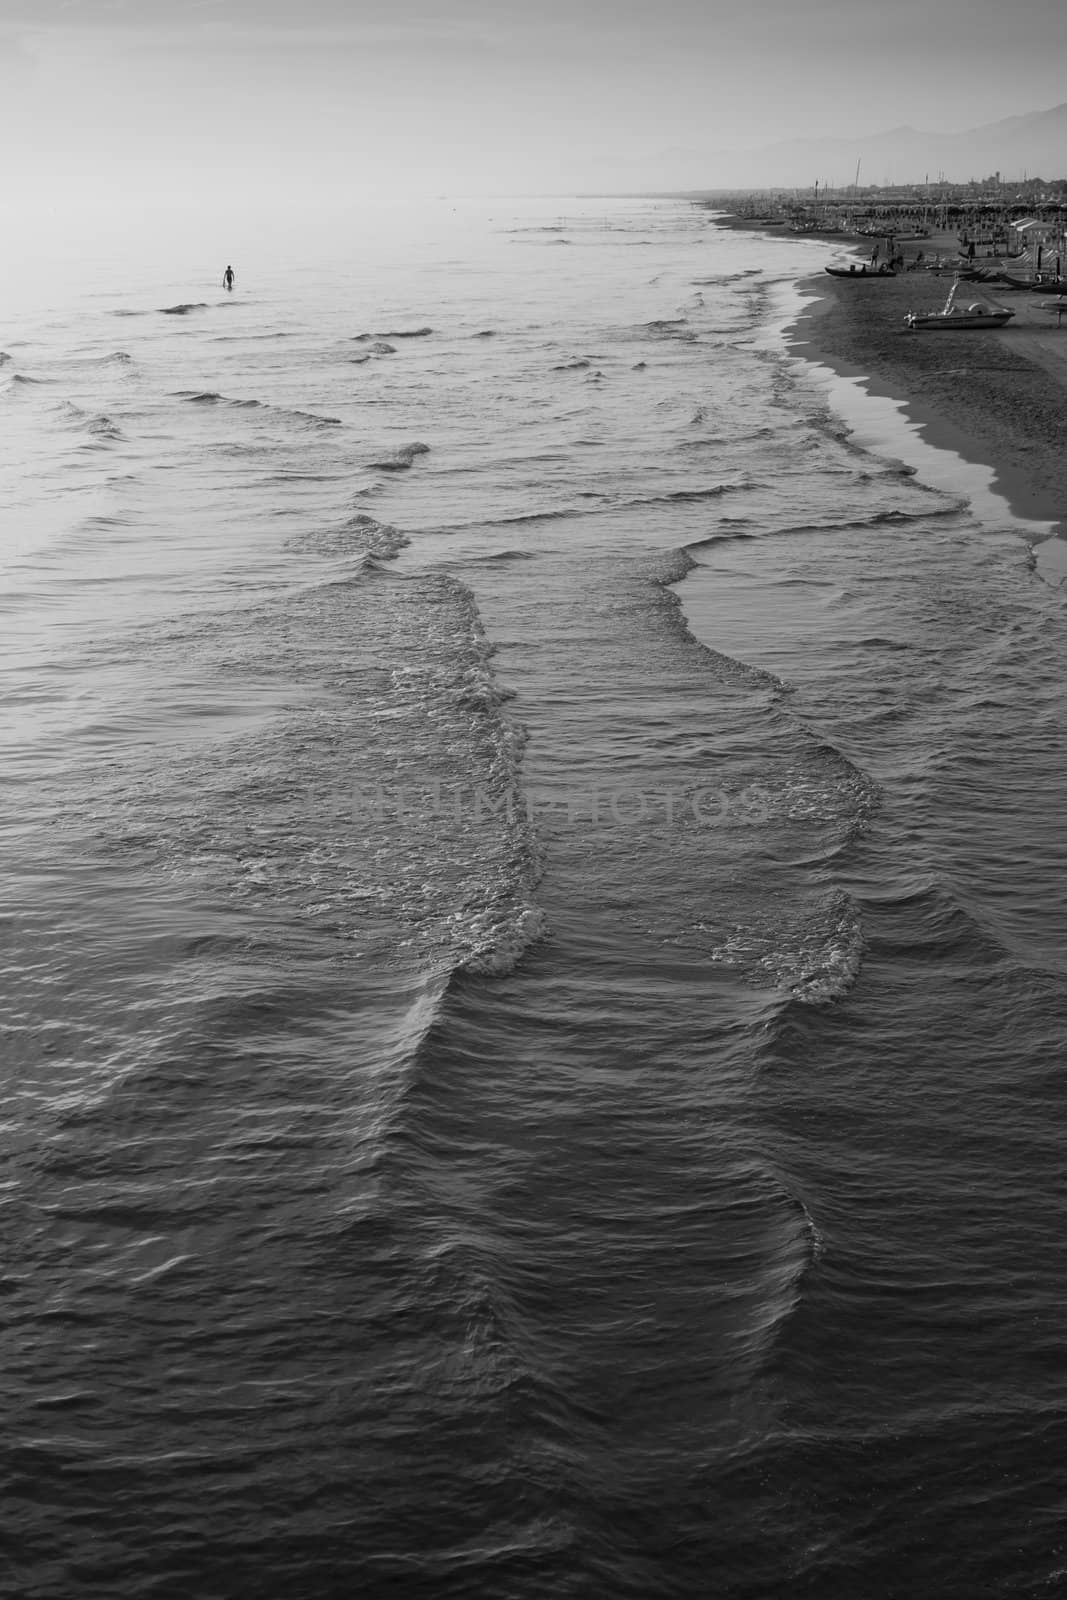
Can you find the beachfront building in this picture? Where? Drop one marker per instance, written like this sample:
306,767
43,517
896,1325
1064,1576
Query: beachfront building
1042,242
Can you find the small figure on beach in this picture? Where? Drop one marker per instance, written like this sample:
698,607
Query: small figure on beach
227,278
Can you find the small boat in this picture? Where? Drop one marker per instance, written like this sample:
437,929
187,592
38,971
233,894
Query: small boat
860,272
956,317
1004,280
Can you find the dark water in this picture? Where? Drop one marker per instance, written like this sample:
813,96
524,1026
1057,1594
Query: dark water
533,954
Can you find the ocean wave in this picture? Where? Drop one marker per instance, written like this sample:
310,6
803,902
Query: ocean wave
828,755
359,536
667,567
301,477
879,519
578,364
669,328
671,567
821,784
820,788
725,277
933,919
605,504
323,815
401,459
786,1245
211,397
501,555
826,956
314,419
114,358
712,492
392,333
519,519
719,441
103,428
500,940
786,1277
491,930
952,508
810,955
184,309
727,536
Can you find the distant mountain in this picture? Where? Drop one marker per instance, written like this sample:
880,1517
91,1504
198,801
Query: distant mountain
1034,145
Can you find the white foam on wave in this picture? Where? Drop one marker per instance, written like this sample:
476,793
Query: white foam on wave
360,535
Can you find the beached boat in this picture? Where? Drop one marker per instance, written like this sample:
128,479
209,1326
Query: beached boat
957,317
1003,280
860,272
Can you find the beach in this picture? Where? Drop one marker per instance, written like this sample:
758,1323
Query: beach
999,399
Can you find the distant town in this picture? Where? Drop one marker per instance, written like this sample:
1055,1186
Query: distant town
994,217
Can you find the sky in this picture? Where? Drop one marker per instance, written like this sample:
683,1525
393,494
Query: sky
165,105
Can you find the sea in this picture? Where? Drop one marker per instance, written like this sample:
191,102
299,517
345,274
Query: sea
533,938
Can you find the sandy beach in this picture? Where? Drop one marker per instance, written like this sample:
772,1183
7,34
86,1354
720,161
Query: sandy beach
997,398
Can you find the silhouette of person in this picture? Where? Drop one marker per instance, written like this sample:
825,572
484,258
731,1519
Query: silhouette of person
227,278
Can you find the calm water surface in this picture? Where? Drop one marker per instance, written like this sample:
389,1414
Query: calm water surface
534,964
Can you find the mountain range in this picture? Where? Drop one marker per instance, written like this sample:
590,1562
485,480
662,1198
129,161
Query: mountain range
1034,145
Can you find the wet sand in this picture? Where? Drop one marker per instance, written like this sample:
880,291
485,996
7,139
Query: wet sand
997,398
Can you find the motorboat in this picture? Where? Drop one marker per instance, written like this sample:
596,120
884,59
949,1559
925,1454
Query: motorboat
957,317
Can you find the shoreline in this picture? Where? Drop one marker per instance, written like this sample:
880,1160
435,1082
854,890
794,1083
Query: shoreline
996,400
1009,412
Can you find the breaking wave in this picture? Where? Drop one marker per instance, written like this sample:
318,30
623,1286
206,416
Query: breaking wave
392,333
401,459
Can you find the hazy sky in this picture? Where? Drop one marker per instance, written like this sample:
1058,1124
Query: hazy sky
363,96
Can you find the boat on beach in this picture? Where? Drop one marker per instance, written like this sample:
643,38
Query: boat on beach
860,272
957,317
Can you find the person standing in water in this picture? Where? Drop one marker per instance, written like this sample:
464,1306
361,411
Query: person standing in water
227,278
